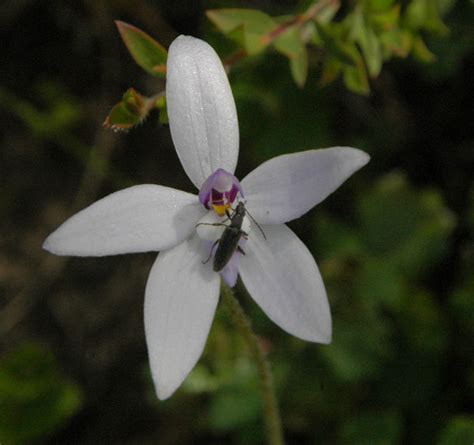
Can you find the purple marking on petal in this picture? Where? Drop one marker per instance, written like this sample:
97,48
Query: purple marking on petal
221,189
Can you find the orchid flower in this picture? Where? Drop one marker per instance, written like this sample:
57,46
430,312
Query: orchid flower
183,289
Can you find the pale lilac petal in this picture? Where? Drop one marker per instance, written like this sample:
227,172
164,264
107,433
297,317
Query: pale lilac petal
230,272
138,219
286,187
180,300
282,277
201,109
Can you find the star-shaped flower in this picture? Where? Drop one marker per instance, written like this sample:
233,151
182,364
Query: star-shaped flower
183,289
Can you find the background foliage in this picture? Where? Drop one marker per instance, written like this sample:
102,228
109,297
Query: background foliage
394,245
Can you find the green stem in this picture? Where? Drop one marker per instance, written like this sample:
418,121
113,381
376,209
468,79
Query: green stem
271,413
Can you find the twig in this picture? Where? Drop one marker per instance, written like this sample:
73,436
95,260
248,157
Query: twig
271,413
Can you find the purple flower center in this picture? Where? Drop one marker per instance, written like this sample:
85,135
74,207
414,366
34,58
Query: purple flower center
219,191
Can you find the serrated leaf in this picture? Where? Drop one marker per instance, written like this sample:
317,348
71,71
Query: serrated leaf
145,50
251,25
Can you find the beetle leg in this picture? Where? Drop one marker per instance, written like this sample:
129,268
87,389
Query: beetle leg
212,248
240,250
211,224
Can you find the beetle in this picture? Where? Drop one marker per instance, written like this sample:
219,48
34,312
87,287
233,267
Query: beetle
228,243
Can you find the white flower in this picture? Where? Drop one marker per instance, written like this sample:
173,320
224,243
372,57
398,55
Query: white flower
182,291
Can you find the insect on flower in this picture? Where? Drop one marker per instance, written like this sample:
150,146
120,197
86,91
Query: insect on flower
182,293
229,241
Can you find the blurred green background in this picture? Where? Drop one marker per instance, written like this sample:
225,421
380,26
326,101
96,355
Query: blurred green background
393,244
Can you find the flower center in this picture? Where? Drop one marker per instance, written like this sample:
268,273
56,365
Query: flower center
219,191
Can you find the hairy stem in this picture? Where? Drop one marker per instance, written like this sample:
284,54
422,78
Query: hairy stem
271,413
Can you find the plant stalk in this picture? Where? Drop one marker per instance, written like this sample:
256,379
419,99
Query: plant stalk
271,412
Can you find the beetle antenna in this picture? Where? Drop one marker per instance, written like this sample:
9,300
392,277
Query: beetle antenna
257,224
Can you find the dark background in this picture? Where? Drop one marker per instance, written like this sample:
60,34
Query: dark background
393,243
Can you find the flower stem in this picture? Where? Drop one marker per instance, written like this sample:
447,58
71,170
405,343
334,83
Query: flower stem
271,413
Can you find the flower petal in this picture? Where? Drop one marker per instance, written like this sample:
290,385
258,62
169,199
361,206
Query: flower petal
286,187
282,277
180,300
201,109
138,219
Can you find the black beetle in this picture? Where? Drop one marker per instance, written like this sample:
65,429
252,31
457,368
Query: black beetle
228,243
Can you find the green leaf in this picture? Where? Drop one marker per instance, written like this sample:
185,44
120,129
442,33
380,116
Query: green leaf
353,68
237,402
334,239
405,227
372,428
163,117
355,79
289,42
331,69
233,407
328,13
336,47
248,27
36,397
364,35
291,45
397,41
379,283
380,5
385,20
131,110
299,67
146,51
459,430
421,52
418,308
360,346
425,14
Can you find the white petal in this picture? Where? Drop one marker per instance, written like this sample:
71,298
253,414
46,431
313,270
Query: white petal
282,277
210,227
201,109
286,187
138,219
180,300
